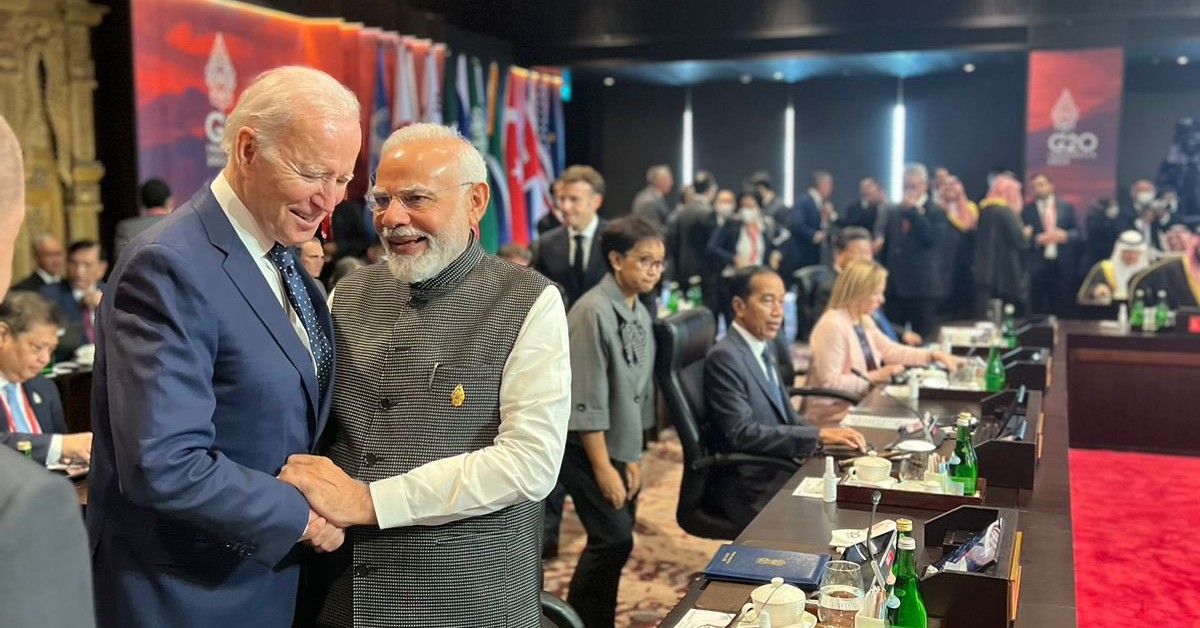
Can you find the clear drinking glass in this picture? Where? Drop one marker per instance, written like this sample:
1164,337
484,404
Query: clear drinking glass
841,595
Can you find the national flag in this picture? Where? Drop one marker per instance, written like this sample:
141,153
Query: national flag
500,203
405,104
458,101
536,158
558,136
431,90
516,153
489,225
381,126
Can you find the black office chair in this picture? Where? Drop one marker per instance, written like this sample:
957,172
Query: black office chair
683,341
558,613
806,281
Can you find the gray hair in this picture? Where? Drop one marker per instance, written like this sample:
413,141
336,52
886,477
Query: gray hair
276,97
917,169
654,172
470,162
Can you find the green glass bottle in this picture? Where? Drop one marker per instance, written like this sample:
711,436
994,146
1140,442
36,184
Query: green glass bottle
25,448
964,468
1161,310
993,377
695,295
1009,326
911,613
1137,314
673,297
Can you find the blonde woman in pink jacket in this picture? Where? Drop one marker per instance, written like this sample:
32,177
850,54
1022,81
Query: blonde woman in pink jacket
847,347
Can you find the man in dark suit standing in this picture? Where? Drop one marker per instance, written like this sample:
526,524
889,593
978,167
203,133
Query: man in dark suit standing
651,202
912,233
569,255
214,364
808,225
41,538
1052,258
78,296
749,410
50,258
688,235
865,211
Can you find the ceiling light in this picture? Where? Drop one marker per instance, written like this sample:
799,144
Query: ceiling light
609,81
969,68
745,79
778,76
1182,60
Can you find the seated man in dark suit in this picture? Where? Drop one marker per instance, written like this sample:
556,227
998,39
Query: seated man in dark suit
78,296
31,408
748,407
51,261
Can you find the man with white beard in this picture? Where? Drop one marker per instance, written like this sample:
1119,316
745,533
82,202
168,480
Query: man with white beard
450,409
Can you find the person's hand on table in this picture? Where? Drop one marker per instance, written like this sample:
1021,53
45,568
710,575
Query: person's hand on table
884,374
951,361
342,500
77,447
843,437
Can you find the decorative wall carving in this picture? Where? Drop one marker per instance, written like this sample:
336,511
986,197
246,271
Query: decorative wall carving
47,79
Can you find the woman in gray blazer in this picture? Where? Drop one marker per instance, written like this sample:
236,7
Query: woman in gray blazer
612,399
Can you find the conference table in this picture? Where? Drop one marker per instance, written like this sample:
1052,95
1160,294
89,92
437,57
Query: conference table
1130,390
1043,582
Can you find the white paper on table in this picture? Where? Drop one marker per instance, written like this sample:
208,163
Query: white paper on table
810,487
879,422
697,618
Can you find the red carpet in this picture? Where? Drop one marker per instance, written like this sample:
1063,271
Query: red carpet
1136,543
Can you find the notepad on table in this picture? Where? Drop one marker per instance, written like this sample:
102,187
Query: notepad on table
743,563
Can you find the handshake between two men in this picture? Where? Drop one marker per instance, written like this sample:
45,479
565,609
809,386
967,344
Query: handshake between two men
336,501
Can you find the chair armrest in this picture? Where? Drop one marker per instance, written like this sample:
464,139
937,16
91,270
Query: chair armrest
739,460
848,397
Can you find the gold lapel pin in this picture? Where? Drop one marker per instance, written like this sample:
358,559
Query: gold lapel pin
458,396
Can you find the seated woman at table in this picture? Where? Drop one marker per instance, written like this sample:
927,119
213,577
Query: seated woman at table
30,407
849,353
1109,279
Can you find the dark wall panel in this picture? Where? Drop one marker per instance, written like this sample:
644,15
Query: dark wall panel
739,130
969,123
642,125
843,126
1154,99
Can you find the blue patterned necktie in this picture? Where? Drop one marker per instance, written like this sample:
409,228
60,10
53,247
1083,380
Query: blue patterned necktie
773,376
285,260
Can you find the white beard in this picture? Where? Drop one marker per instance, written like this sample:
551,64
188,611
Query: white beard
443,249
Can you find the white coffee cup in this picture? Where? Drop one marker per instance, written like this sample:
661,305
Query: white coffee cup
783,602
871,468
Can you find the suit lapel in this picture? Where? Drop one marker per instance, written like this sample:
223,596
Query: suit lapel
326,322
752,365
597,266
249,281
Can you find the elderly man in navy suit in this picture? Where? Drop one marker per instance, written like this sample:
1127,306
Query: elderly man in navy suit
213,365
749,410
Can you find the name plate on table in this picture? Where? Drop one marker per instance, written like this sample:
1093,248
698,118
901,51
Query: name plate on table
899,498
743,563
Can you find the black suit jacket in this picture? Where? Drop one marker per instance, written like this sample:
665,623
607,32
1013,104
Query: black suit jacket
552,258
651,205
687,241
745,417
912,251
73,337
805,223
1065,221
47,407
32,283
42,538
722,246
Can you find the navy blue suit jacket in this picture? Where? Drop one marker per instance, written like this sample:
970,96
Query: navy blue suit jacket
202,389
805,223
47,407
745,417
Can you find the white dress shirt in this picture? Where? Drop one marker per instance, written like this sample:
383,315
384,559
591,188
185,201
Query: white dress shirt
259,245
588,233
47,277
522,463
54,451
1051,250
757,346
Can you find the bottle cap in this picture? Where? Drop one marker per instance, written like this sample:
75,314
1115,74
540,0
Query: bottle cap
1009,309
24,446
904,525
907,543
964,419
1162,294
829,465
1139,293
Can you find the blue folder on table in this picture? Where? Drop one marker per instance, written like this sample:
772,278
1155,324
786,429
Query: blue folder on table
743,563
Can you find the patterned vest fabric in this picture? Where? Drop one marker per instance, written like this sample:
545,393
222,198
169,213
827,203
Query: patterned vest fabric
419,370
